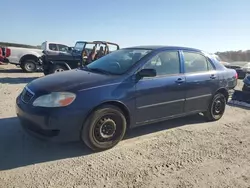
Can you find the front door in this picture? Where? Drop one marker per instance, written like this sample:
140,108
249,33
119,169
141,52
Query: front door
201,81
164,95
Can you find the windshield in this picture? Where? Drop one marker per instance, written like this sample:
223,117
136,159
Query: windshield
79,46
118,62
43,46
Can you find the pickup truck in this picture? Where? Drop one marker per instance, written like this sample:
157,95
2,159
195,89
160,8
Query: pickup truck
81,54
4,54
27,58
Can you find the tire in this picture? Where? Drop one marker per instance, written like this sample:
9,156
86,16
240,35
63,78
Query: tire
216,107
29,66
104,128
46,72
58,68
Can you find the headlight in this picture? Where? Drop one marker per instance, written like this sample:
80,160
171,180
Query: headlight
55,99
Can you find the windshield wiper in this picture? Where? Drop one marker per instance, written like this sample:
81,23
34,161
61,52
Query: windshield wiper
98,70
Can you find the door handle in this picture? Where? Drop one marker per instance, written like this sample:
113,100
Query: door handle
212,76
179,80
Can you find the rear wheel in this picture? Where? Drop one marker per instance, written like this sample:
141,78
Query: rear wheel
29,66
58,68
104,128
216,107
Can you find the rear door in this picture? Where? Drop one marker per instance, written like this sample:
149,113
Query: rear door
201,81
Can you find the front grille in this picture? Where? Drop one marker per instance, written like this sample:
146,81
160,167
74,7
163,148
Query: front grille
27,95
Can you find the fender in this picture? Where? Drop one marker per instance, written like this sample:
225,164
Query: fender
30,55
60,63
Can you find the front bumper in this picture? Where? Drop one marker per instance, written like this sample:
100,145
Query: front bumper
56,125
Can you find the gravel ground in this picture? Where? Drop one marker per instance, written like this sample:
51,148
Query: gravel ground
187,152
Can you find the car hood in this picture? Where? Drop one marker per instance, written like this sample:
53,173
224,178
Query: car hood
72,79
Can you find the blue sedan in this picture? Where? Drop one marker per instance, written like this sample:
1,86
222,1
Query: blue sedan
128,88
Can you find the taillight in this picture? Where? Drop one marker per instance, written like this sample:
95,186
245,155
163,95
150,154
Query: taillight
236,75
7,52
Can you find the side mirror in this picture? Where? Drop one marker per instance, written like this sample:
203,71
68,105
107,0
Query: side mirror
146,73
70,49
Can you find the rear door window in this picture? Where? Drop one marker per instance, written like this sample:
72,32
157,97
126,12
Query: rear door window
195,62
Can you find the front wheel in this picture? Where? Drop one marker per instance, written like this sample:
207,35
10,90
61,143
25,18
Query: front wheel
104,128
29,66
216,107
58,68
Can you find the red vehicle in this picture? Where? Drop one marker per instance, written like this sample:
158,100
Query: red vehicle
4,54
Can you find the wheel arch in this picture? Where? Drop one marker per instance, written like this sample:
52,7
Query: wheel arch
28,57
223,91
117,104
54,63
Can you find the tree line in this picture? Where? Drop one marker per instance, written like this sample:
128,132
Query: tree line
230,56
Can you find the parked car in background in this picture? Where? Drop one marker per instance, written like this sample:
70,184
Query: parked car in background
27,58
54,48
246,81
241,67
127,88
219,59
82,54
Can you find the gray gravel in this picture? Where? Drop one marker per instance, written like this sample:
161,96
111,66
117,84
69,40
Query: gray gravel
187,152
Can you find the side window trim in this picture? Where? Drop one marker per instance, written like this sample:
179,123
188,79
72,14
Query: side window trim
195,52
165,75
211,63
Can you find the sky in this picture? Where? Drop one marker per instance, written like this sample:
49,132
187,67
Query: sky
210,25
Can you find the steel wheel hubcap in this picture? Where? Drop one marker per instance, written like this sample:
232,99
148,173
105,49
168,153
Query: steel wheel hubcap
59,70
105,129
218,106
29,66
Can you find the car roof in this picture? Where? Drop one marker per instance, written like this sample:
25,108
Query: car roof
158,47
53,42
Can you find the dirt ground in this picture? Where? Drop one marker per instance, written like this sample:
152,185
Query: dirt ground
187,152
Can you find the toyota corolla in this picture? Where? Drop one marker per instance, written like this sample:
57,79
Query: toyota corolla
128,88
